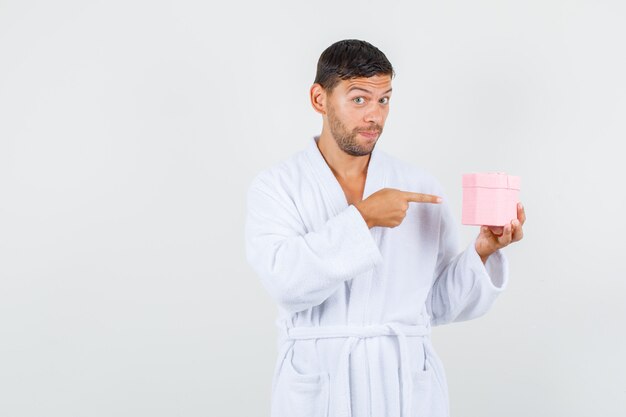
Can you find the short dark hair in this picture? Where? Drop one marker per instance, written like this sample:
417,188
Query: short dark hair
350,58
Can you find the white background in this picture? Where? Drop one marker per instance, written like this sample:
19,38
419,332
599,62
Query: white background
129,132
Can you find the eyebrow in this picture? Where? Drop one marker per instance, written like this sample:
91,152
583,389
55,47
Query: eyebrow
367,91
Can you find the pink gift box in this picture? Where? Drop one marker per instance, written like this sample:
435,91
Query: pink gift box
490,199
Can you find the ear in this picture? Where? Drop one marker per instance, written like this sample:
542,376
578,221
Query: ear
318,98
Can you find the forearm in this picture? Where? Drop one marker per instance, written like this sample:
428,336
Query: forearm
466,288
302,269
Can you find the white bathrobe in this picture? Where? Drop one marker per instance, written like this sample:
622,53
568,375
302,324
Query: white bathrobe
356,305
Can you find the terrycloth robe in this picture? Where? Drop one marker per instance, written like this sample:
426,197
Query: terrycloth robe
356,305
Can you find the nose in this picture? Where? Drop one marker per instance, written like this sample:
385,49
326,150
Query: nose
375,114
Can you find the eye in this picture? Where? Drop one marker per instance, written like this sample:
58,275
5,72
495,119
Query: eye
384,100
358,98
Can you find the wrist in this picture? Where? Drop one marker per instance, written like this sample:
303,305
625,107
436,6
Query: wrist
482,254
360,207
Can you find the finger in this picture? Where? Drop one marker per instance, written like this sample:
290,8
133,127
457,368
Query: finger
421,198
518,231
488,233
496,230
521,214
507,234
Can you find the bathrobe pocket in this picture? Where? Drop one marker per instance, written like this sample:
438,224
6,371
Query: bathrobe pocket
303,394
428,399
422,392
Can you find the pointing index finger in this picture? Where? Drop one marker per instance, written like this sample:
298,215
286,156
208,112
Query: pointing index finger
421,198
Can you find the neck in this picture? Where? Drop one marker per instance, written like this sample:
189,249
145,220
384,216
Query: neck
343,165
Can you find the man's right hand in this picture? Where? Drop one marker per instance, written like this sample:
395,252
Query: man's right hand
387,207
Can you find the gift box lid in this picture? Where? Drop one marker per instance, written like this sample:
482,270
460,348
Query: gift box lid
491,180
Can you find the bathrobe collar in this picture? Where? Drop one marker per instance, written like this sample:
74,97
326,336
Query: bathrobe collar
374,179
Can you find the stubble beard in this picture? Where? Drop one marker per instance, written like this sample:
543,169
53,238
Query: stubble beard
347,141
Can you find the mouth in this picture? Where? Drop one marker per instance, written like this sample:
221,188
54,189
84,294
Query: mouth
370,134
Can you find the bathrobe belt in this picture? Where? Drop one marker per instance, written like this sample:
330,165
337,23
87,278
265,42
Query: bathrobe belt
353,333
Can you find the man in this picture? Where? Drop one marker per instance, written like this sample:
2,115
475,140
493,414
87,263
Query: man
360,253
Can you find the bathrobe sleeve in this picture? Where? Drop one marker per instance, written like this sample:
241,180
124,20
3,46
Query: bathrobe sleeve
299,268
463,288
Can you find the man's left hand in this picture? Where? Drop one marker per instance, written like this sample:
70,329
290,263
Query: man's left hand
492,238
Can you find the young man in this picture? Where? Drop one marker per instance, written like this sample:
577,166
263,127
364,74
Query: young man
360,253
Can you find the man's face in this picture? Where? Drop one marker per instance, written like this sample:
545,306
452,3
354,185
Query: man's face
357,110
